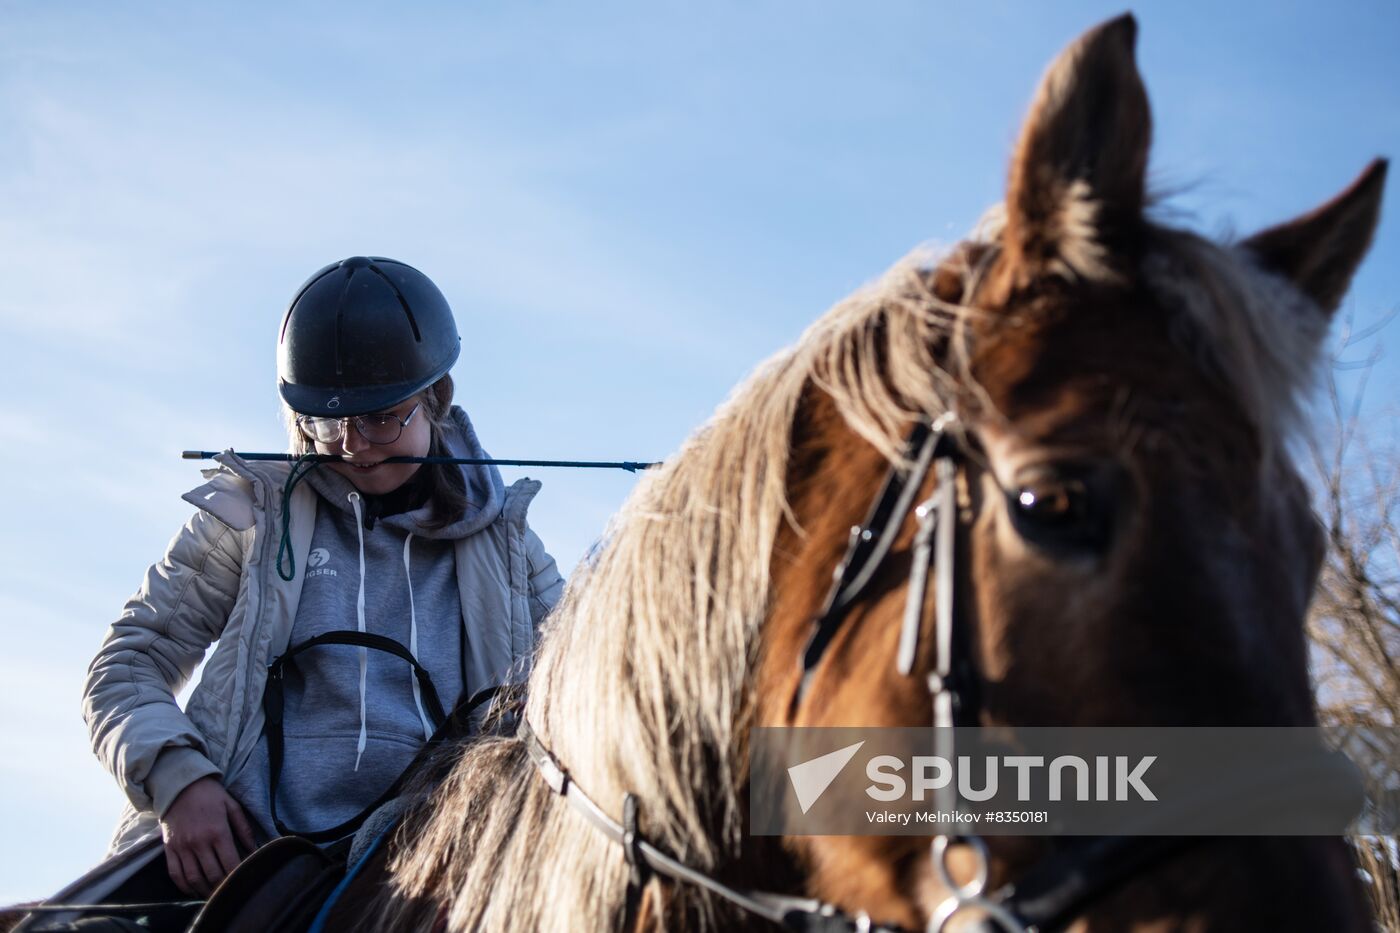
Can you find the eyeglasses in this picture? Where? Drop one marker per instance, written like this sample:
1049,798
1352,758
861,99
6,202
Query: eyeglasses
380,428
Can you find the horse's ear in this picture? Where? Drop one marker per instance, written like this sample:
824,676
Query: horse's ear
1319,252
1077,180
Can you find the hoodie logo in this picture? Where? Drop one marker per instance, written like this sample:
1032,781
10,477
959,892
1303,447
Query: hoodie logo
316,562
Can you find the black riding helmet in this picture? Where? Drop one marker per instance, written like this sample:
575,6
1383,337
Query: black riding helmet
362,335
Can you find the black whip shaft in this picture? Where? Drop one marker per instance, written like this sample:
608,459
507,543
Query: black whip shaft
631,466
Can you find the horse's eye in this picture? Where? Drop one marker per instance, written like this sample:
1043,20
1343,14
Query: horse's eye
1052,503
1069,509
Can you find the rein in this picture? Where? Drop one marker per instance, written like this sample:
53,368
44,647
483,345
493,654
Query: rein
794,913
274,709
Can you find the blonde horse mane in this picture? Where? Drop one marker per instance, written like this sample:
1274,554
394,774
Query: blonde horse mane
641,675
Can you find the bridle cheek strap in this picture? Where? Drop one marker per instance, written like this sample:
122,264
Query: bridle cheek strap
933,544
871,541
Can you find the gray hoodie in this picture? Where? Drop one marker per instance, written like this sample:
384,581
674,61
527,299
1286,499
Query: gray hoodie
355,717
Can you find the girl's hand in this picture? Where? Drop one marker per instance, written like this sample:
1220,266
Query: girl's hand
199,830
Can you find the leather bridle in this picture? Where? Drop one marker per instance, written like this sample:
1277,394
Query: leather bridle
1054,891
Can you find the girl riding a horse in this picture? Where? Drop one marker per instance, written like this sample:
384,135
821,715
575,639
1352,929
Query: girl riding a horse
437,558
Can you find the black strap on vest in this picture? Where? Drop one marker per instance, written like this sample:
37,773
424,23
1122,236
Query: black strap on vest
273,704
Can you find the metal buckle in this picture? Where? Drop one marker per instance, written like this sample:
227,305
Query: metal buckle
967,898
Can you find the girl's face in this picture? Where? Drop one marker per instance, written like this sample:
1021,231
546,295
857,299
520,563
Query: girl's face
364,467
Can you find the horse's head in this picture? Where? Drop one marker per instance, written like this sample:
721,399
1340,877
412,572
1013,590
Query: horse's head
1135,547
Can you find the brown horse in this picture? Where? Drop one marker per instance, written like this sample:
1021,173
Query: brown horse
1134,548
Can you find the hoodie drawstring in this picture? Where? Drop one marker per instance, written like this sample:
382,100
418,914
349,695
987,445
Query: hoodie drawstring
360,625
413,642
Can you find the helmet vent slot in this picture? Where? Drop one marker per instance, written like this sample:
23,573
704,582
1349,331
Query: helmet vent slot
340,319
403,302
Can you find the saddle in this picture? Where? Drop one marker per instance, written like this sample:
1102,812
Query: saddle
278,889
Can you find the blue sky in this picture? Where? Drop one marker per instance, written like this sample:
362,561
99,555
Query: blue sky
628,205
